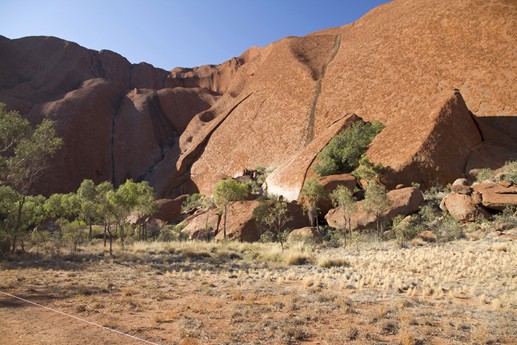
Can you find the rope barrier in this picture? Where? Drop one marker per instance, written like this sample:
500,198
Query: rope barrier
78,318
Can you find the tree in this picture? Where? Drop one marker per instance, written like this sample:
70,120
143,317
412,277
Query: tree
24,154
343,198
343,152
227,191
104,208
376,201
130,197
87,194
313,192
274,216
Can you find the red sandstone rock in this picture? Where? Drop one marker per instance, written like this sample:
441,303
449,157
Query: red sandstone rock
461,207
277,106
496,196
304,235
403,202
202,226
330,183
169,209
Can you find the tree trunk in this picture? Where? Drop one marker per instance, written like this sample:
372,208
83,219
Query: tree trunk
121,227
224,225
90,234
105,227
18,222
111,240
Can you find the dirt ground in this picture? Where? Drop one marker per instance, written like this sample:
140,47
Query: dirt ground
173,299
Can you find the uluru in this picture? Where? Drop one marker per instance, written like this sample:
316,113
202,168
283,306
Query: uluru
258,172
441,76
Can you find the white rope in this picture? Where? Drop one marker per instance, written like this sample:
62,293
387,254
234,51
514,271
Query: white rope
78,318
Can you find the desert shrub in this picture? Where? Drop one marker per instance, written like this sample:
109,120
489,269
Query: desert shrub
404,230
331,237
168,233
329,261
449,229
73,233
343,152
484,174
508,215
510,171
192,203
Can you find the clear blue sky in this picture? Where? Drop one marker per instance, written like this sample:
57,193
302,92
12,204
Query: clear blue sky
175,33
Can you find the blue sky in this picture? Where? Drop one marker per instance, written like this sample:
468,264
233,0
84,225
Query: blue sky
175,33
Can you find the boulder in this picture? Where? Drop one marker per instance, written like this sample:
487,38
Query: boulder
330,183
461,189
460,182
202,225
169,209
496,196
240,224
305,235
402,202
461,207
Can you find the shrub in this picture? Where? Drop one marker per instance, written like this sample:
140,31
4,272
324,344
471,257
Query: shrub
327,262
343,152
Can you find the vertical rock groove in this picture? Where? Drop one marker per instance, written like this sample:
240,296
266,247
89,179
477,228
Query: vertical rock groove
317,90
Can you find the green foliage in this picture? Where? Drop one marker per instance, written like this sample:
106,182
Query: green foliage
227,191
376,201
343,199
73,233
24,154
366,169
313,191
404,230
485,174
273,216
510,171
192,203
130,197
343,153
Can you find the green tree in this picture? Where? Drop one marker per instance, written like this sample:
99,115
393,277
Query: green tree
130,197
343,152
24,154
87,195
343,198
376,201
274,216
313,192
226,192
104,209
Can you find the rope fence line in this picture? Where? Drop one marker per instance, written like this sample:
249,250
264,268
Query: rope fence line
79,319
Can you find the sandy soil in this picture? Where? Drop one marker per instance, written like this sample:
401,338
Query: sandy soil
170,299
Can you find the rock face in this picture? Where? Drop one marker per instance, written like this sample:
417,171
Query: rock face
402,202
406,63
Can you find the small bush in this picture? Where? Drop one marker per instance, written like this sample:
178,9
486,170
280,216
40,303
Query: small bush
327,262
